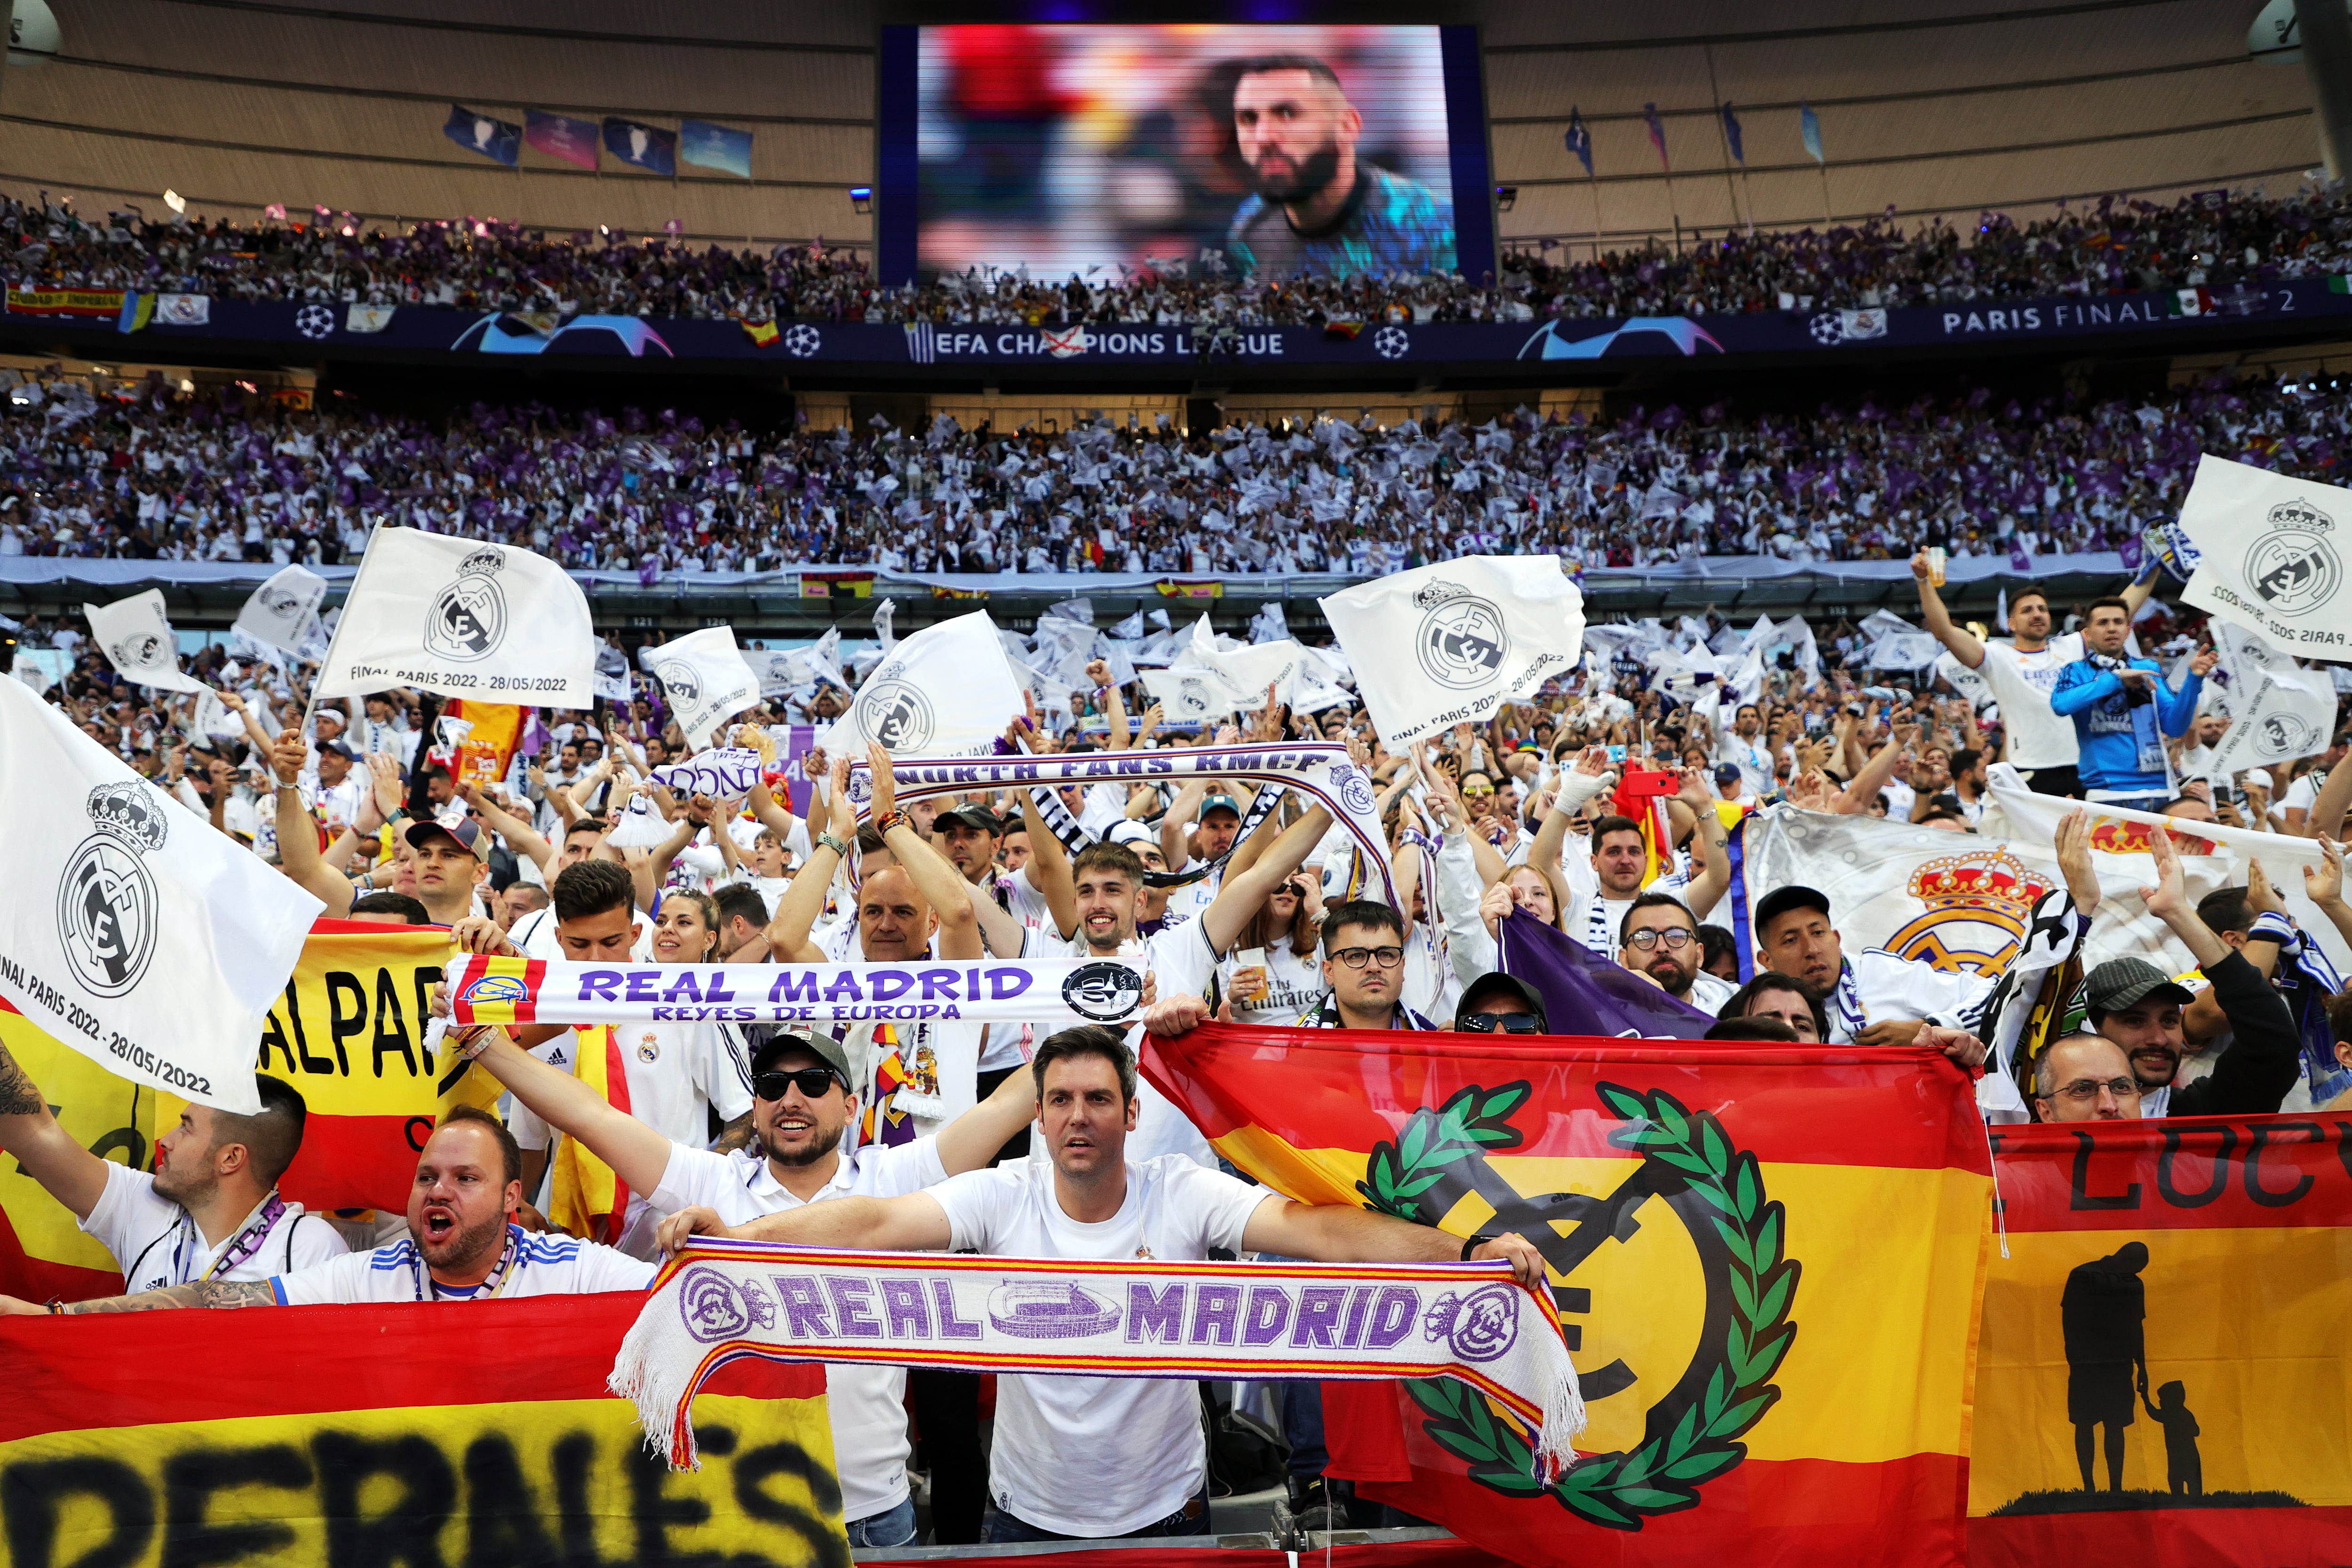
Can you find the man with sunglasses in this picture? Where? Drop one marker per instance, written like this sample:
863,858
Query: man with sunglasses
1499,1004
1659,938
802,1104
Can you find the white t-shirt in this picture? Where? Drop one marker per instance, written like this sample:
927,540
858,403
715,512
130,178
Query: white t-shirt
867,1404
2022,683
1160,1127
2304,792
1097,1456
156,1243
543,1265
1185,965
1024,900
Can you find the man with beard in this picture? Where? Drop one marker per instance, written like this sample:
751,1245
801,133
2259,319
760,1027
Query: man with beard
210,1211
1316,209
802,1104
1659,938
463,1244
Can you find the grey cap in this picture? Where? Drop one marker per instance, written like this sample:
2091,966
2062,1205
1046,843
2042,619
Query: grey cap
821,1044
2120,983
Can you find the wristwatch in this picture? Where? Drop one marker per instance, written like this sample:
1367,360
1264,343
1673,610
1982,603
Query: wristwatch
835,842
1473,1244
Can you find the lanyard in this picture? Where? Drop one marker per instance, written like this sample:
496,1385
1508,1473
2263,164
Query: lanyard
235,1250
494,1282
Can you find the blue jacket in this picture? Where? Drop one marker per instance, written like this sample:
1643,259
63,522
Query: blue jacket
2122,748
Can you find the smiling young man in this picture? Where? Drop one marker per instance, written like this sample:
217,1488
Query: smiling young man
801,1105
211,1210
452,867
1104,1457
463,1244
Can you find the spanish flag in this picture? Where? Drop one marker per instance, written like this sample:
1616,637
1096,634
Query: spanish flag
762,333
588,1197
1768,1261
441,1433
2161,1376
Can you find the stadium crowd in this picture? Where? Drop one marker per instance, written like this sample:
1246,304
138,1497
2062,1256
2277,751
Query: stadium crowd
1516,820
152,474
2219,241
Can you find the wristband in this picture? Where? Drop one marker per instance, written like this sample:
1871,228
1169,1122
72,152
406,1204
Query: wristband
473,1041
1473,1244
835,842
889,820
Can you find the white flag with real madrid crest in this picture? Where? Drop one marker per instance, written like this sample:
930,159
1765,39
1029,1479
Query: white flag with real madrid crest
705,679
1449,643
2271,555
134,932
465,618
137,638
946,691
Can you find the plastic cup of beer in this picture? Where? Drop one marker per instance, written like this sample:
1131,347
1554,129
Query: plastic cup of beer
1935,564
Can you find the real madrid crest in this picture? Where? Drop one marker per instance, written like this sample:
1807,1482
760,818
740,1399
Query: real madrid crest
2293,567
107,908
468,618
1461,641
677,682
894,713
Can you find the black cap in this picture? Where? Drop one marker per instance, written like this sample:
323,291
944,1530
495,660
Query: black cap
972,814
1780,900
2119,982
1495,983
821,1044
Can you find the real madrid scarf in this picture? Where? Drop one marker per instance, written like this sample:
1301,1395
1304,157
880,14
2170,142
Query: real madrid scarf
1318,769
720,1300
1064,827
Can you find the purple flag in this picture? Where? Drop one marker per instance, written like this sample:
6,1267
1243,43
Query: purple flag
1657,133
2019,561
1584,993
2133,552
561,136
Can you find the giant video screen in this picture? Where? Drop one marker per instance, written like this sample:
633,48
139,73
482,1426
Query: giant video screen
1226,150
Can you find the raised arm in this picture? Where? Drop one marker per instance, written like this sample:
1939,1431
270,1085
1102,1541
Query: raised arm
298,832
972,1139
915,1223
1242,893
45,1151
1049,869
1713,840
1958,638
637,1153
796,914
1334,1233
934,876
2325,817
520,837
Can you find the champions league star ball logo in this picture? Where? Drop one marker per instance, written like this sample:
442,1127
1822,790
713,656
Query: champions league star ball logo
468,618
1461,639
2293,567
895,715
107,908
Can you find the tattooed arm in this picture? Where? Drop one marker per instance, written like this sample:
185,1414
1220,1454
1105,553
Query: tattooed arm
202,1293
68,1172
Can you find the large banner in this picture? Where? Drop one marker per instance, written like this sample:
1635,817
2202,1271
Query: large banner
1767,1259
348,1032
2161,1379
418,1434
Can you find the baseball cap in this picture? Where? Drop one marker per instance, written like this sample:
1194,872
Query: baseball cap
468,832
820,1043
972,814
1220,802
2121,982
1496,984
342,748
1132,832
1780,900
1727,773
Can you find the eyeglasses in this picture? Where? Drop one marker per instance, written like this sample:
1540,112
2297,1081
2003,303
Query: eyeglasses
1675,939
813,1082
1357,957
1472,791
1500,1023
2085,1090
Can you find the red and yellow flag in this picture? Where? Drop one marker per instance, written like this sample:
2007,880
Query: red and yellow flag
588,1197
348,1033
479,1432
2162,1379
1768,1261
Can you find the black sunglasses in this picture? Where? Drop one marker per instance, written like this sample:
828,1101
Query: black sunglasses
1500,1023
813,1082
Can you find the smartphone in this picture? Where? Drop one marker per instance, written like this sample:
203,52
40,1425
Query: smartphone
1616,753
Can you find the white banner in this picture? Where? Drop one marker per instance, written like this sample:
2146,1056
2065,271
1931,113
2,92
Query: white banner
724,773
780,673
136,638
134,932
1189,696
2271,555
463,618
704,681
1435,646
1047,990
945,691
279,611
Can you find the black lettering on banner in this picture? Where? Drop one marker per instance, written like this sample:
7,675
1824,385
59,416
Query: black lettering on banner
32,1499
652,1510
756,1468
408,1533
191,1540
394,1038
340,1024
2213,1189
2344,1146
416,1130
503,1527
301,1041
2080,1197
2259,1136
575,1455
423,978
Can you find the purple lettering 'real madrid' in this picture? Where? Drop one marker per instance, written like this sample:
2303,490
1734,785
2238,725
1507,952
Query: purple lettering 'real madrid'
1392,1316
853,1300
950,1326
803,1307
1158,1316
904,1310
1318,1314
1268,1314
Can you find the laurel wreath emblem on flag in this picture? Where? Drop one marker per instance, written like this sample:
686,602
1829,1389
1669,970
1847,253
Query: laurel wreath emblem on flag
1691,1433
